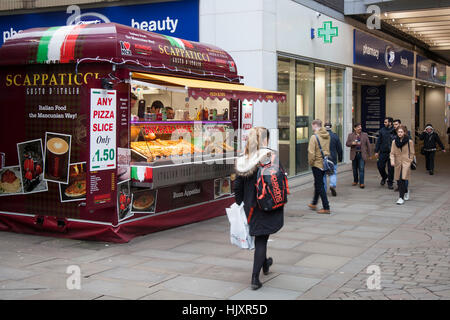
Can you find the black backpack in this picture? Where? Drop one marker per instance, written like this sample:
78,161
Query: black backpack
271,185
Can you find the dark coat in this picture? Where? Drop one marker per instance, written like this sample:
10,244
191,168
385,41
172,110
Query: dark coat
430,140
335,147
384,140
261,222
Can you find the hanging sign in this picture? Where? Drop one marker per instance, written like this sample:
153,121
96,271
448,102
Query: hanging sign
103,130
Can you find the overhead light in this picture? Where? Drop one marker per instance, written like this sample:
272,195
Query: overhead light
375,76
363,74
401,24
393,20
385,14
385,78
394,80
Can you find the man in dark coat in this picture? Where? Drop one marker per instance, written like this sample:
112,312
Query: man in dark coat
430,139
335,155
382,151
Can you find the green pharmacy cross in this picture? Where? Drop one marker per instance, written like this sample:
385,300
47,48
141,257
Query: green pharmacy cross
327,32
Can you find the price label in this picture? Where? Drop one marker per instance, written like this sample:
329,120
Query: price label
103,130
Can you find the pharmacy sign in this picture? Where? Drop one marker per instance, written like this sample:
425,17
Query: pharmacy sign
327,32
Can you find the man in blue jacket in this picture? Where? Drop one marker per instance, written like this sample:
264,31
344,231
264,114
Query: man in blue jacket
335,155
382,151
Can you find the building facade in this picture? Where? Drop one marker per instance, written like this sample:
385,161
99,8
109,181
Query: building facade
331,68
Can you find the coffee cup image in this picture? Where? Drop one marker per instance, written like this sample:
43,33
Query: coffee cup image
57,156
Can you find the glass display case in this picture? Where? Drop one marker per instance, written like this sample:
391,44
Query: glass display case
186,140
161,143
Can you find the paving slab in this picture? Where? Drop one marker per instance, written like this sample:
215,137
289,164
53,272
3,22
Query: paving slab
174,295
323,261
207,248
8,273
266,293
117,289
200,286
141,277
294,283
330,248
180,267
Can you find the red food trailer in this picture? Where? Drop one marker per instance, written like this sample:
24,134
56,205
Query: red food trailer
109,132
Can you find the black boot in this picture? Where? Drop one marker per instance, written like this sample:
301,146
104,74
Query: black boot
431,172
267,265
256,284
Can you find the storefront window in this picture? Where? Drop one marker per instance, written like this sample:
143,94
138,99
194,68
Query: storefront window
284,113
304,106
335,101
315,92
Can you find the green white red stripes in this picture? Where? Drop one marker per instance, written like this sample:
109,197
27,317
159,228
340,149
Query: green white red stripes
179,43
58,44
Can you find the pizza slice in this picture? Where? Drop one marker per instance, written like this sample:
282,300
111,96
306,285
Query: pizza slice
76,189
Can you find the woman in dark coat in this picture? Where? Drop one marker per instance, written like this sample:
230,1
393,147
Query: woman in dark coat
261,223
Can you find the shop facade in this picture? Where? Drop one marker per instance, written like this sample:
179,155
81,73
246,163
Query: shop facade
290,48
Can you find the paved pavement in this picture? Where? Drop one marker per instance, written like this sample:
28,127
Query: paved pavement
315,256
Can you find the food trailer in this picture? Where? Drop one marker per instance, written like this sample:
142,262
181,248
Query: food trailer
109,132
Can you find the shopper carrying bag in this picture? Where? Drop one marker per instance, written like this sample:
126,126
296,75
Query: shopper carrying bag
239,230
261,223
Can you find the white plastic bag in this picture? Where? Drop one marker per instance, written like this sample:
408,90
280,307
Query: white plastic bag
239,230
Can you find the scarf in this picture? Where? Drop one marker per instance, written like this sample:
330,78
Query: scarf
400,143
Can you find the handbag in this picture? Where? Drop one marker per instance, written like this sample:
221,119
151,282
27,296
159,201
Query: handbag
239,229
413,163
328,165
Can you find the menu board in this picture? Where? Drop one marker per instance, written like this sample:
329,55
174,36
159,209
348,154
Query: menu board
103,130
247,120
373,107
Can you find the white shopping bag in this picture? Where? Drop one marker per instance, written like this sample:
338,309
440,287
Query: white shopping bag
239,230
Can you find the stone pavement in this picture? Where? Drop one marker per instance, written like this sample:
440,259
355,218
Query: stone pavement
315,256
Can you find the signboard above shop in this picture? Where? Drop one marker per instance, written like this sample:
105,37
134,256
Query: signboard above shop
430,70
369,51
175,18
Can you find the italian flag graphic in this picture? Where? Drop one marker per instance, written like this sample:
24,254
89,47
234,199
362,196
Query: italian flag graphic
179,43
58,44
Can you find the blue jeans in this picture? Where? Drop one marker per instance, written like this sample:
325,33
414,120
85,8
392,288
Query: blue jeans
333,179
358,168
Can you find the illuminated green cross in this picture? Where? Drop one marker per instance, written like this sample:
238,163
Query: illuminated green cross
327,32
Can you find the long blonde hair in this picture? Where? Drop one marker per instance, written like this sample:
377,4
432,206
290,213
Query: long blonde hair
256,136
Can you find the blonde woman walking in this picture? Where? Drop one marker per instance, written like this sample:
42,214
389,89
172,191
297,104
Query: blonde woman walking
261,223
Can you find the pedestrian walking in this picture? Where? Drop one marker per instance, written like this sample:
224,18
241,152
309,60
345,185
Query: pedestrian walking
319,140
336,153
382,152
396,124
448,134
261,223
430,141
359,145
401,157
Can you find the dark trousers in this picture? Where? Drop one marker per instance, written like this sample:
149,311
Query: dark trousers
381,164
260,253
402,187
429,160
358,168
319,188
